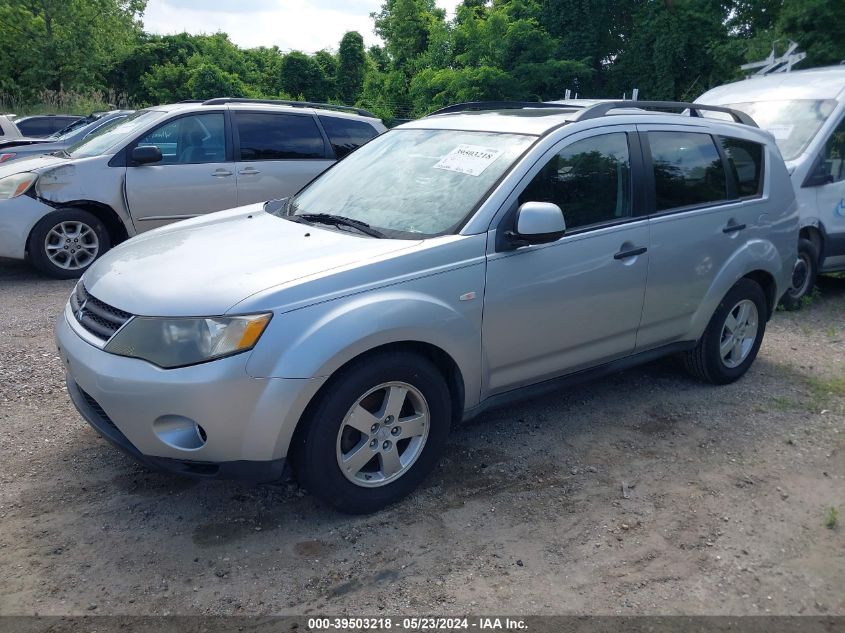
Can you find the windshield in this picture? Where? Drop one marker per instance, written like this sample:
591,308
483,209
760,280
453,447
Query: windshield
413,183
793,123
71,129
111,134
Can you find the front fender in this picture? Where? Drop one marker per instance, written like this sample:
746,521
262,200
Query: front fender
315,341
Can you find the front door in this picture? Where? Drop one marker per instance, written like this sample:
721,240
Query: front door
830,198
194,176
556,308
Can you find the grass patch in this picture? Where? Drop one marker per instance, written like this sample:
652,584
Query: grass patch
831,517
824,390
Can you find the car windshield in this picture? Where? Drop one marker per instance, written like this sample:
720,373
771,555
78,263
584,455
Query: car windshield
111,134
413,183
793,123
71,129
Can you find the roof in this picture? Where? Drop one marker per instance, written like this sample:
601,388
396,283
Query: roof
534,121
815,83
264,106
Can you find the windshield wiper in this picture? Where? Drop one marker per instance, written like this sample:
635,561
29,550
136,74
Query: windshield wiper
339,220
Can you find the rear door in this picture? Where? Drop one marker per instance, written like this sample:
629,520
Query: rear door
704,196
277,153
195,176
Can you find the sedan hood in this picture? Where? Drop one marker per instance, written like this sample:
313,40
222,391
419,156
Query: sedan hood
204,266
29,163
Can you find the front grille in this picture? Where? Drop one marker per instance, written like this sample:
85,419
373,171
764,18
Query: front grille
97,317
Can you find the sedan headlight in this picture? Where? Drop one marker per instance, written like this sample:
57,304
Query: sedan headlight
178,342
16,185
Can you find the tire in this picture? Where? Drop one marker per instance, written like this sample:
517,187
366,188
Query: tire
706,361
51,242
327,437
804,275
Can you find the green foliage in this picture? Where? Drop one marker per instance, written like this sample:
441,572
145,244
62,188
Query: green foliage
351,67
492,49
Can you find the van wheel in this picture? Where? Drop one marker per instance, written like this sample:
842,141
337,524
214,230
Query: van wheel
803,275
376,431
65,242
732,338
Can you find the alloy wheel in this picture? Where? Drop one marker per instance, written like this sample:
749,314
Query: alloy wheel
72,245
383,434
739,333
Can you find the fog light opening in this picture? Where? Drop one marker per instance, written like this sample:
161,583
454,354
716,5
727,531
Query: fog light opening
180,432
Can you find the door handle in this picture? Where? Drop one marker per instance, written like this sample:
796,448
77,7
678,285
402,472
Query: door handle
221,173
732,227
249,171
630,253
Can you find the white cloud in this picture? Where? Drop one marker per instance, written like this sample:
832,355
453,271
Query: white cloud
307,25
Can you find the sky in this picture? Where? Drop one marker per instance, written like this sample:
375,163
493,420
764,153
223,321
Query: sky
306,25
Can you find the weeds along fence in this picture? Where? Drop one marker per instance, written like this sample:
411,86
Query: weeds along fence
63,102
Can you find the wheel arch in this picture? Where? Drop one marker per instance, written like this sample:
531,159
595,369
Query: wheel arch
441,359
767,282
108,216
816,235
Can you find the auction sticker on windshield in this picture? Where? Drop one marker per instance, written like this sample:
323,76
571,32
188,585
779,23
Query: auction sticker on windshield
469,159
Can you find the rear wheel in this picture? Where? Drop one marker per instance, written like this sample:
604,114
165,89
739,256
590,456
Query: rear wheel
376,431
732,338
803,275
65,242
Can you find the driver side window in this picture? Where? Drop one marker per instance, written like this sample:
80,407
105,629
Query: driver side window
194,139
834,154
590,180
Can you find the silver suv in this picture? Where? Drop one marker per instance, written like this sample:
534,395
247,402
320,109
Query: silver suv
63,210
452,264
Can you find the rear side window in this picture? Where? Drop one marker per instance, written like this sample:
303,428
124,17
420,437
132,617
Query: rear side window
265,136
346,135
687,170
745,160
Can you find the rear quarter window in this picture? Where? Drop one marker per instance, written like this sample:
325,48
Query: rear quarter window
688,170
346,135
745,160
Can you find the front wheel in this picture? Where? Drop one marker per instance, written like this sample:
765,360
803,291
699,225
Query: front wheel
375,432
803,275
65,242
733,337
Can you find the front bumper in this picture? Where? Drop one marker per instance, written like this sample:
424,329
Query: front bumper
247,422
17,218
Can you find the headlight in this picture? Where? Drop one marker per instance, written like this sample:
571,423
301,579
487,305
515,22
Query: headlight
16,185
171,343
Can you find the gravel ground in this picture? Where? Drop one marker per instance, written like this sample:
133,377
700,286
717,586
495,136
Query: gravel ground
642,493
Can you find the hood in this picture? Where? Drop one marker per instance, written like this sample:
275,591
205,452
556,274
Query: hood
29,163
204,266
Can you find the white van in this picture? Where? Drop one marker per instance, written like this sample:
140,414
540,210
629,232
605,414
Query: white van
805,112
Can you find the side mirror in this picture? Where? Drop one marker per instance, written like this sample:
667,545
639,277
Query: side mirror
818,175
146,154
538,223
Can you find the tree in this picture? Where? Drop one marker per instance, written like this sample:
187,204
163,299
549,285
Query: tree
64,44
302,75
352,66
405,26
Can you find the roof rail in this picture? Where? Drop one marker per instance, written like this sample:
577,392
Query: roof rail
603,108
500,105
295,104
